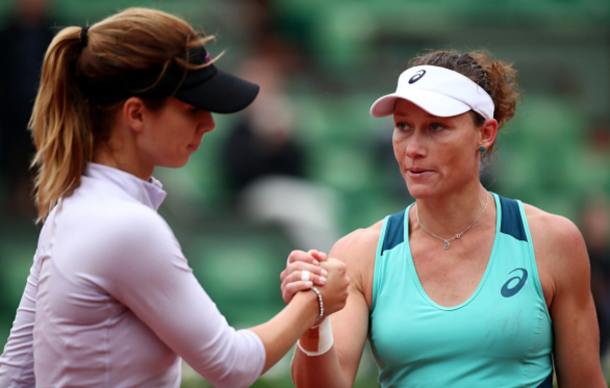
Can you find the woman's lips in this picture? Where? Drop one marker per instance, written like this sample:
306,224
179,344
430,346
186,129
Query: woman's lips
193,147
418,173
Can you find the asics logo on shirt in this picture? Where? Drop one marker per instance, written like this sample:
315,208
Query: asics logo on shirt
508,291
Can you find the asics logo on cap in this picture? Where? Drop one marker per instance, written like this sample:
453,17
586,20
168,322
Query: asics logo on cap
417,76
444,93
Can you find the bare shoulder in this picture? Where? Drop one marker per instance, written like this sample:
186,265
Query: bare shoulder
560,249
358,245
553,233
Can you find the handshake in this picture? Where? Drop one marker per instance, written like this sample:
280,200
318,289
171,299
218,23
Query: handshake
313,268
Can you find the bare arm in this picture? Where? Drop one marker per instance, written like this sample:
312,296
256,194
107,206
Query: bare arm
281,332
561,253
337,368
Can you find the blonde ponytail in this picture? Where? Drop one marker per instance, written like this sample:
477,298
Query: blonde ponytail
60,124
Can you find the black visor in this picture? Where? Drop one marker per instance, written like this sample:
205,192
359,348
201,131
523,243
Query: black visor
206,88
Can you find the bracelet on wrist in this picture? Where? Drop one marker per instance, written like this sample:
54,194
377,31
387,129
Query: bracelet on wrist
320,304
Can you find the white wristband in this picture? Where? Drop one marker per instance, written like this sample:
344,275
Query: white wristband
318,340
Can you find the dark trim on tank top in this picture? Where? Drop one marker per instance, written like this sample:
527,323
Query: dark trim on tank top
512,223
395,231
548,382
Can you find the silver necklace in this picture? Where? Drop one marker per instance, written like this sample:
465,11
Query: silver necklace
447,240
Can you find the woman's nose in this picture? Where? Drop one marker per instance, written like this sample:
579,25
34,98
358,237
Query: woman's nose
416,146
206,122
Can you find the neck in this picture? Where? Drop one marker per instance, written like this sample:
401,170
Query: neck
449,215
122,156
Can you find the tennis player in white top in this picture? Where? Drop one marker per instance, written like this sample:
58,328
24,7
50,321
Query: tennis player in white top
111,300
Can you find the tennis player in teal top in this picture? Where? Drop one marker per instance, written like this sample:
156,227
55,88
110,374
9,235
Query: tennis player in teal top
463,288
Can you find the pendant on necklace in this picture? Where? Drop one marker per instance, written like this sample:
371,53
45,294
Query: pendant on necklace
446,246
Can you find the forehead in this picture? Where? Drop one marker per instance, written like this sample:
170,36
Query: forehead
407,109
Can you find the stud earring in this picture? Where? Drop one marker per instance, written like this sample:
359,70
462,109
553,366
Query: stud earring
481,149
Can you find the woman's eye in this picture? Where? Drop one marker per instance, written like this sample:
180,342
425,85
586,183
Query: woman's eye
402,126
435,127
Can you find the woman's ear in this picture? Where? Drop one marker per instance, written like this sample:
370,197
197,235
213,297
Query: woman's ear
134,113
488,132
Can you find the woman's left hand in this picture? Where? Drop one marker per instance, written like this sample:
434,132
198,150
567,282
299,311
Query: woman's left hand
302,272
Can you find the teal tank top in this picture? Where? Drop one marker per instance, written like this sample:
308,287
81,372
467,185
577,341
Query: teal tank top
500,337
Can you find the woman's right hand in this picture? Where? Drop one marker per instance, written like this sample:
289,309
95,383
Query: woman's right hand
334,292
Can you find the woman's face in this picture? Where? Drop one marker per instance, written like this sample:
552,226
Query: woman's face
173,133
436,155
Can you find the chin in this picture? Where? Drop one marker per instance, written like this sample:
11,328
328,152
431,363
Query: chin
420,194
176,163
182,163
421,191
418,188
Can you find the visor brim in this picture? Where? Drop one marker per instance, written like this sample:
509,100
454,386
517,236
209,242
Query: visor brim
222,93
434,103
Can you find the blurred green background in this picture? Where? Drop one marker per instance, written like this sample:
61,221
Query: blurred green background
336,58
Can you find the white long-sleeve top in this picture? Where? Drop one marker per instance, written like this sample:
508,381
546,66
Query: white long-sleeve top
112,302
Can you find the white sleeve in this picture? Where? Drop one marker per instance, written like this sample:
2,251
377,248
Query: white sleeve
151,276
17,360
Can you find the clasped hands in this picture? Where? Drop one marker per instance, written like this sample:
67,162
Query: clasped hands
327,274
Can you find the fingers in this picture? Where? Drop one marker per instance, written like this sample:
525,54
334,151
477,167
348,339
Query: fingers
303,266
305,269
300,280
318,280
303,277
301,256
320,256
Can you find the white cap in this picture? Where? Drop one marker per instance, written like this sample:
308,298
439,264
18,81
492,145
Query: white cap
437,90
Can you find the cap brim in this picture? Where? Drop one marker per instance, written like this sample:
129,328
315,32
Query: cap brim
222,93
434,103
